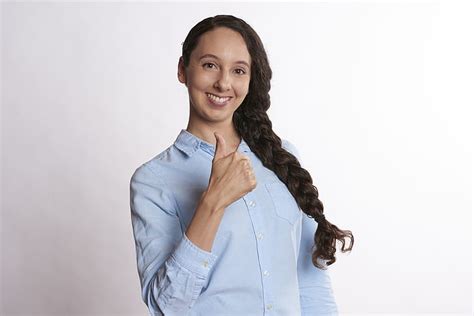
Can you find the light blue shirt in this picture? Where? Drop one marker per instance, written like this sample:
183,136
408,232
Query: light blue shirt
260,262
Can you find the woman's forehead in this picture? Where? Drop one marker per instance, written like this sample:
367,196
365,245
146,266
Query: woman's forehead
223,44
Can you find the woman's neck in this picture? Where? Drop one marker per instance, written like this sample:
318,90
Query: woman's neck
206,133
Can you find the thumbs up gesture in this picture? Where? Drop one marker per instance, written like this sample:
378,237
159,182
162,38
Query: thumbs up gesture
232,175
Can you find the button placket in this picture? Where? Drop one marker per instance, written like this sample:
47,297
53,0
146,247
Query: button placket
259,226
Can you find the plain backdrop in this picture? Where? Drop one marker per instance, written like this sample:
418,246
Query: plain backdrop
377,97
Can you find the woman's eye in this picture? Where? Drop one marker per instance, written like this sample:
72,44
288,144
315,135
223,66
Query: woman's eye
242,72
208,64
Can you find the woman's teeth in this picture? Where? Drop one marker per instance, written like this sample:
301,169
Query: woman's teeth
217,99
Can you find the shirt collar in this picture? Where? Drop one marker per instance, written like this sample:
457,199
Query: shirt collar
189,144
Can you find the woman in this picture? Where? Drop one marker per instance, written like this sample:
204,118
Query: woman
218,216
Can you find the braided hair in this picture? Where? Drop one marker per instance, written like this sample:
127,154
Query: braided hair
252,123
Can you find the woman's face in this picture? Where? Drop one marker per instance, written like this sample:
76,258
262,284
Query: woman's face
219,67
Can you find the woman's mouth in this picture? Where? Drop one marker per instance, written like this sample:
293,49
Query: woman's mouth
215,100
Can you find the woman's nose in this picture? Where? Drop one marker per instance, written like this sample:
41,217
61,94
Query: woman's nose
223,82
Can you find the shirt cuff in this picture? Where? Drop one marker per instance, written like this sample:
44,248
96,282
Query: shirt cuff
193,258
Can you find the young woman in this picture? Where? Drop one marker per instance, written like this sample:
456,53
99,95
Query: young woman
218,216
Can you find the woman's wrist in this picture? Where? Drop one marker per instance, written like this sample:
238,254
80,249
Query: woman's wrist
210,201
205,222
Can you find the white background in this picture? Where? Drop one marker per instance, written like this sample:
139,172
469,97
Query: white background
377,97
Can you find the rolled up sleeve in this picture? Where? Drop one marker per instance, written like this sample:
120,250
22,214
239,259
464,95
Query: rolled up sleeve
172,270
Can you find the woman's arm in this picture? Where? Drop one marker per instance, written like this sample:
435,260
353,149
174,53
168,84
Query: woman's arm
316,293
171,268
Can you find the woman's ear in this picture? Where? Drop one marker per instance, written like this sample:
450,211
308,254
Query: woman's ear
181,71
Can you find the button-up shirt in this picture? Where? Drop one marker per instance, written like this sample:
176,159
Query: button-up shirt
260,261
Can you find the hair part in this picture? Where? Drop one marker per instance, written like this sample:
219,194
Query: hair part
254,126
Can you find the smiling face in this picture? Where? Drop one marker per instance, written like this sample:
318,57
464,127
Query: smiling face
219,67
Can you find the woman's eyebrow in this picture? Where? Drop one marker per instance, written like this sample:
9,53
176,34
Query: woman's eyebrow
214,56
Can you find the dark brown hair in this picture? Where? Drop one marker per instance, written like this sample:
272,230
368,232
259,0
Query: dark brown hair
252,123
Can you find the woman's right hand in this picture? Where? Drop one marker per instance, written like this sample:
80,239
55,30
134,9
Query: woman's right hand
231,175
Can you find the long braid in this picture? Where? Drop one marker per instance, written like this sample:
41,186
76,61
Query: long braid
266,145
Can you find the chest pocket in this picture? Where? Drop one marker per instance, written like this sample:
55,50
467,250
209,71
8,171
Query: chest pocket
284,204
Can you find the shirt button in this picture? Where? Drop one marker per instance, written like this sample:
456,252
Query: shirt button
266,273
269,306
252,203
205,263
260,236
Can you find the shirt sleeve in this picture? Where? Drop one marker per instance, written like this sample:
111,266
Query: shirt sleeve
172,270
316,293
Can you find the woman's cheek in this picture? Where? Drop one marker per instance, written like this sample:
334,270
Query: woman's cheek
242,88
200,77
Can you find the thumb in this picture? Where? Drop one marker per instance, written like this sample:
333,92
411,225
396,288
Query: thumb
221,146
